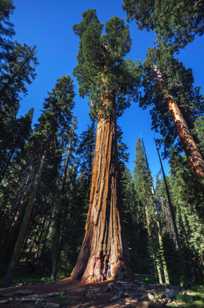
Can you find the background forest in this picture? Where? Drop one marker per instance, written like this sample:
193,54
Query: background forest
46,163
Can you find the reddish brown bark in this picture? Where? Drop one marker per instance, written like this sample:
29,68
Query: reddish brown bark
101,255
194,156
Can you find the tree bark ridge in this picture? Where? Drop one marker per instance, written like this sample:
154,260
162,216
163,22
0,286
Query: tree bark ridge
101,255
194,156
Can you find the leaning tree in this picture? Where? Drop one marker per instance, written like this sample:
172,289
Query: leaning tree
175,23
109,82
175,103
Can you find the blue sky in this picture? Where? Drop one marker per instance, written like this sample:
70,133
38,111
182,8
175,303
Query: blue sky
48,24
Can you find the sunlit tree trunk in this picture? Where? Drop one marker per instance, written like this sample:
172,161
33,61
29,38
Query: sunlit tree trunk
190,147
102,255
162,254
172,214
194,156
152,249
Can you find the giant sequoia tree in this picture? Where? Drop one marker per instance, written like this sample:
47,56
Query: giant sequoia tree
169,86
108,81
175,104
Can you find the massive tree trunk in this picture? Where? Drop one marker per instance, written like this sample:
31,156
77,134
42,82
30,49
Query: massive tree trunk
194,156
102,255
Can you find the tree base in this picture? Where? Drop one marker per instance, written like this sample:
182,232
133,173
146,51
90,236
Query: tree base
99,271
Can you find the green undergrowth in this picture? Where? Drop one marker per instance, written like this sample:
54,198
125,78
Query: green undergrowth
191,298
145,278
31,279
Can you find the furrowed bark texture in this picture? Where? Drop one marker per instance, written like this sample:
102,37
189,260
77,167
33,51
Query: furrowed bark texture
194,156
101,255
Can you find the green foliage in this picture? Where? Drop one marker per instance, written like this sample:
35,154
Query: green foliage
59,206
54,139
143,179
188,203
175,22
85,152
17,70
190,298
164,75
101,69
133,225
199,132
186,192
6,29
141,11
146,207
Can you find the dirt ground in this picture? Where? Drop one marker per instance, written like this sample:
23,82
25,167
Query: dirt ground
65,293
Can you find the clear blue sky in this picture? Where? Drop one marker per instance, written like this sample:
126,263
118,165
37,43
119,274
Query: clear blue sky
47,24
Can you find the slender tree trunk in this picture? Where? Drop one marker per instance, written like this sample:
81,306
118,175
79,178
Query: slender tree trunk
5,168
102,254
194,156
37,241
58,221
157,248
170,204
162,255
56,247
44,237
24,225
152,250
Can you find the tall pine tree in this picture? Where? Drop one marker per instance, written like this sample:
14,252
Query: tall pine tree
44,153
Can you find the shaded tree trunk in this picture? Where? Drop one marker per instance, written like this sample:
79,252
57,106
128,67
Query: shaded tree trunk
170,205
6,166
58,221
163,262
56,247
24,225
102,254
193,153
152,248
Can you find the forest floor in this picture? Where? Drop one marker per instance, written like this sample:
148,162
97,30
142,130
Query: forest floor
115,294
